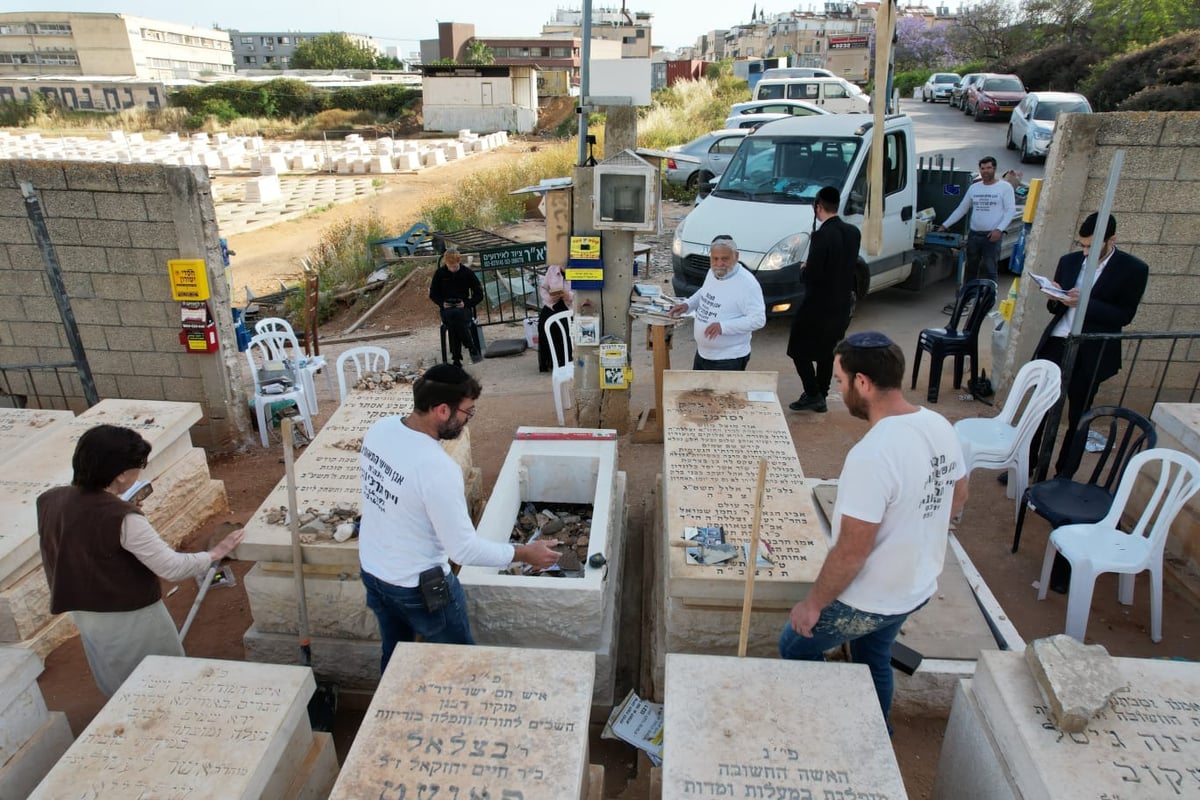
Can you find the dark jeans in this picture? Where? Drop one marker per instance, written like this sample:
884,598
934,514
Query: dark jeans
458,328
983,257
814,341
870,637
721,364
1081,392
401,614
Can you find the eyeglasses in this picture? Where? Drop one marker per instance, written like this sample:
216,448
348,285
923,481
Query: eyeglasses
469,412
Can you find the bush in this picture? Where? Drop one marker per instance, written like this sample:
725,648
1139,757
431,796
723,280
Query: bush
907,82
1059,69
1163,98
1174,61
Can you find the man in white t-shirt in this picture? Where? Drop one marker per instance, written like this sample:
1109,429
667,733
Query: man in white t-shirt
729,307
898,490
992,204
415,520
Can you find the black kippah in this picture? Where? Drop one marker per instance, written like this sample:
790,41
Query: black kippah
869,340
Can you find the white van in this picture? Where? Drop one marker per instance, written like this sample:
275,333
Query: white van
833,94
796,72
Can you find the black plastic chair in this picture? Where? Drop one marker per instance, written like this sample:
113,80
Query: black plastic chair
1063,501
979,296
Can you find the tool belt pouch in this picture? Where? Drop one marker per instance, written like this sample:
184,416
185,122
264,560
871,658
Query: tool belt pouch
435,591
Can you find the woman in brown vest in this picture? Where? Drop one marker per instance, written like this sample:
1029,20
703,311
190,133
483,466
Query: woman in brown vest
103,559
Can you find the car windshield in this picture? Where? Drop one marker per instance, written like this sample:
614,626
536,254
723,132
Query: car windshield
1048,111
944,78
1002,85
787,169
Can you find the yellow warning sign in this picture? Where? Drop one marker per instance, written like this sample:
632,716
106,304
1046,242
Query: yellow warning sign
585,247
584,274
189,279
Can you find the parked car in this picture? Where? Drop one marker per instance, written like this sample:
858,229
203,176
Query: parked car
752,121
782,108
939,87
712,151
832,94
959,93
994,96
798,72
1031,125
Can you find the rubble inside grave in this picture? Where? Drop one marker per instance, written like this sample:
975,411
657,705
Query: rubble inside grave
568,524
387,379
339,523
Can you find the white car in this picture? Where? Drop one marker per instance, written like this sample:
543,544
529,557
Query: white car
1031,126
940,86
753,112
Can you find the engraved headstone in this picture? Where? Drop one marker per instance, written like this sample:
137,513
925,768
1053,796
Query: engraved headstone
195,728
21,428
1141,746
448,721
744,727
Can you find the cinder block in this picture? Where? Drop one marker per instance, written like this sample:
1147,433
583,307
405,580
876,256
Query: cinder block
26,283
140,387
40,309
1181,130
183,389
128,206
129,338
1129,199
157,288
12,203
105,233
110,362
15,230
82,259
1178,197
1128,130
119,287
69,204
95,311
63,231
151,234
24,256
164,364
148,314
142,178
91,176
42,174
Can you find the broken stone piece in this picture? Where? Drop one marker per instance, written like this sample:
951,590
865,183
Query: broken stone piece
1075,680
553,526
343,532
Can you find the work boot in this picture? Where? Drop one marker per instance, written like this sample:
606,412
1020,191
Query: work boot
809,402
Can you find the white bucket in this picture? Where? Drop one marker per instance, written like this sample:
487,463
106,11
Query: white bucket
531,331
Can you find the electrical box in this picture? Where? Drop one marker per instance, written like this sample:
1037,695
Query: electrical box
626,194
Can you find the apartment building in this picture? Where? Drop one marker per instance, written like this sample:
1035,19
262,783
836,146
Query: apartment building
559,53
97,44
632,30
274,49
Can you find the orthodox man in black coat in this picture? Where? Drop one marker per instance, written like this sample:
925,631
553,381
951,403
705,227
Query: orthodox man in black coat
824,313
457,291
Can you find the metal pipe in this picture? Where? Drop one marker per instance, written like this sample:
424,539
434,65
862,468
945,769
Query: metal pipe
585,78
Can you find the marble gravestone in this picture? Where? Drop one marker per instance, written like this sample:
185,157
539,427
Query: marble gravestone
31,737
22,428
756,728
1000,743
200,728
717,425
474,722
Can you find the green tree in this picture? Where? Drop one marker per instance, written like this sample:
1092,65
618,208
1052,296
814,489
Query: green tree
478,53
1121,25
332,51
990,31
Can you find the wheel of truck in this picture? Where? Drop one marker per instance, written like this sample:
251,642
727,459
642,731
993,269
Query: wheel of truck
1008,142
978,117
862,284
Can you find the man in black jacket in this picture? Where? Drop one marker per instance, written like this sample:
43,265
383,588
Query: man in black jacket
823,316
457,291
1116,293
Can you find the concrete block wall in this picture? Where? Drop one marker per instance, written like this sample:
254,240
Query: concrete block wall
1157,207
113,228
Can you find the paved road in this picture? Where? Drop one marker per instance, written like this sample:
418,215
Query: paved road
951,133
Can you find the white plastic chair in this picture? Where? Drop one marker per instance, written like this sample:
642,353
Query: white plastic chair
563,374
366,359
261,346
1002,442
1101,547
306,365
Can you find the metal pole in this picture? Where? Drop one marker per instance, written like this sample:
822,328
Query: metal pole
585,78
1088,276
33,209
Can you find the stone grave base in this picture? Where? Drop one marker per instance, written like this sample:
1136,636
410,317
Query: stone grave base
317,773
60,628
336,600
25,770
24,605
350,663
973,766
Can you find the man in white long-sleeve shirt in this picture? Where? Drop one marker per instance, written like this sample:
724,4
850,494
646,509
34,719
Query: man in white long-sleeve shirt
992,205
728,309
415,520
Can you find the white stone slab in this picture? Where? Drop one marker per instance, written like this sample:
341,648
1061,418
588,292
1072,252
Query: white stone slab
1182,421
741,727
161,423
435,157
1142,746
478,721
189,727
22,709
26,768
327,475
714,436
22,428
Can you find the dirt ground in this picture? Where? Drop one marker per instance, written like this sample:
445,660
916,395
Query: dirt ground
822,441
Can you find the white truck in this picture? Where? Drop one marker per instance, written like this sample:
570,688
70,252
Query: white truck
764,201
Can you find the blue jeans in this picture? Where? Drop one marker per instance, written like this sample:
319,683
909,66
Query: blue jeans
401,614
721,364
870,637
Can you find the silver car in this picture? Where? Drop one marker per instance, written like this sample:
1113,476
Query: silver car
1031,126
751,114
707,156
940,86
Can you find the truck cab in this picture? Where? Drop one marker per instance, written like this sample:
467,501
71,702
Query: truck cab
764,200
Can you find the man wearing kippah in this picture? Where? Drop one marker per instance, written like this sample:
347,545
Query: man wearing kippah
728,309
899,488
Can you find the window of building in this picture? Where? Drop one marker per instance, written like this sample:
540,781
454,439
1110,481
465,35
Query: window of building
53,28
248,40
264,40
249,59
60,58
285,40
268,59
560,52
641,33
628,40
17,58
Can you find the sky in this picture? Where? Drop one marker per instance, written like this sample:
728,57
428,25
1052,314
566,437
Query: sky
676,23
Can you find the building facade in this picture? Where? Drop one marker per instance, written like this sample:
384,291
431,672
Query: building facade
94,44
274,49
632,30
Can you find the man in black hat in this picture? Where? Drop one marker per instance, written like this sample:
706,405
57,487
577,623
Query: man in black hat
824,314
898,489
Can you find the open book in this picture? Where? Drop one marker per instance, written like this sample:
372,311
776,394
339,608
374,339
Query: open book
1048,288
